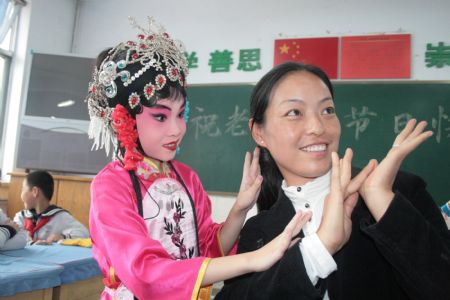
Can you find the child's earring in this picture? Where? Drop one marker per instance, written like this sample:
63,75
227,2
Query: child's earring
178,150
186,111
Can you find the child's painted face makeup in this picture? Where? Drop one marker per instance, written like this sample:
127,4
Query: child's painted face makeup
161,128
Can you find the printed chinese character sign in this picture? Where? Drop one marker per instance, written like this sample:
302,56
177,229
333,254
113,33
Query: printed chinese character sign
437,55
221,61
322,52
376,56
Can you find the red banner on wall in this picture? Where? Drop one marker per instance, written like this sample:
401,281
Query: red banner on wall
376,56
322,52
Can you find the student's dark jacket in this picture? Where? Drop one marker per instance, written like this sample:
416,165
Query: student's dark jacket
406,255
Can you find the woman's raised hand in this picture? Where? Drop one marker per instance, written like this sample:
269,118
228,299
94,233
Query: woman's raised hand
377,188
336,226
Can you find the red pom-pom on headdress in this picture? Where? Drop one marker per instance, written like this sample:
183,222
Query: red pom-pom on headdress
125,127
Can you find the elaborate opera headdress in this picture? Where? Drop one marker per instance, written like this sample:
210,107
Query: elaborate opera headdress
133,73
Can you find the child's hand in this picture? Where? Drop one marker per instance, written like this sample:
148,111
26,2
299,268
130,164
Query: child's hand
248,193
12,224
42,242
54,237
226,267
251,182
265,257
377,188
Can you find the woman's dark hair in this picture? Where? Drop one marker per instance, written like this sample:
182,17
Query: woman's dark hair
259,102
43,180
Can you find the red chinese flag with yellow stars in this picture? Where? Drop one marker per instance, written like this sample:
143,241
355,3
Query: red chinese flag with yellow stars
322,52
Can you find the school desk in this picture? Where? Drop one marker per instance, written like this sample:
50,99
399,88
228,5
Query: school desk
49,272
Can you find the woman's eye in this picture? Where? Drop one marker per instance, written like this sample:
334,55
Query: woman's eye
181,115
293,112
329,110
160,117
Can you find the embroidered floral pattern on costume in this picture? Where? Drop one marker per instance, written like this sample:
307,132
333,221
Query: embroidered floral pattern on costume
176,233
169,215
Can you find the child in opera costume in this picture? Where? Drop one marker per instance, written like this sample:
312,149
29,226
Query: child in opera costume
150,218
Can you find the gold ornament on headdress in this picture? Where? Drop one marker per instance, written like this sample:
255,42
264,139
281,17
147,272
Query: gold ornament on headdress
153,49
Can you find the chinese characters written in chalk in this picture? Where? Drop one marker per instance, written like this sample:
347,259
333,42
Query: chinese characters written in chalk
360,120
208,124
439,124
221,61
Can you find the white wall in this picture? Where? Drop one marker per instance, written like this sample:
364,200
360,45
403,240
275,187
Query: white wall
51,26
207,25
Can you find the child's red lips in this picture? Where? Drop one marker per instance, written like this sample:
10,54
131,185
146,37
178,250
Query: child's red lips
171,146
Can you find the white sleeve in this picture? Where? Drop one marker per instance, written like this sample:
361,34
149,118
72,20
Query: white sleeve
318,261
18,241
71,228
4,236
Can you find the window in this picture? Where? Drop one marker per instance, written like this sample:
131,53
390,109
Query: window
9,15
4,74
58,86
54,128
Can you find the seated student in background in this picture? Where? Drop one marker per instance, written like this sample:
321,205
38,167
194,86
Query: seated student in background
45,223
11,236
391,242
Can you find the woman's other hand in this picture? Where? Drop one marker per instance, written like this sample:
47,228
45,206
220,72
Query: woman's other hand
377,188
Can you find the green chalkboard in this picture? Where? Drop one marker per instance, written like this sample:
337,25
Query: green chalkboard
370,113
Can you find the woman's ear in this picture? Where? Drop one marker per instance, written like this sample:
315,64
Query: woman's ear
255,129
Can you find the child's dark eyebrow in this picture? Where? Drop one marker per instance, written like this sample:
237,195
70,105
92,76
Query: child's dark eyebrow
161,106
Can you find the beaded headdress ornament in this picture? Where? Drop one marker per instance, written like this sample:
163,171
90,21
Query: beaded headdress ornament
153,50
